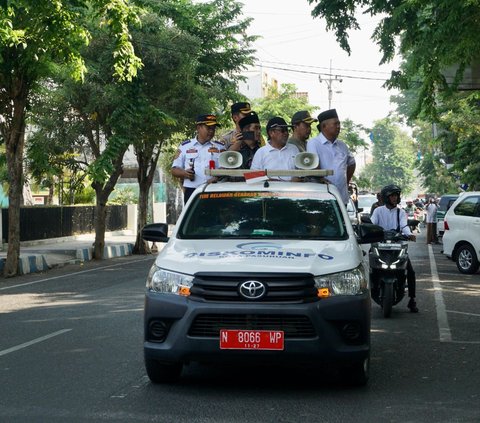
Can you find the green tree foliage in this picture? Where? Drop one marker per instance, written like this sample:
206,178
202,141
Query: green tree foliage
199,59
188,69
461,140
283,102
34,37
432,34
393,157
449,147
353,135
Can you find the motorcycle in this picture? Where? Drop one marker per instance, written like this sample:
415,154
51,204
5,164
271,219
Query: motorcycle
414,218
388,270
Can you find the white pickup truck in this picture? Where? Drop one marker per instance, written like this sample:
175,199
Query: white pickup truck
270,272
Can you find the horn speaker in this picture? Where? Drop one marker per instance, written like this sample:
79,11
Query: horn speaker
230,159
306,161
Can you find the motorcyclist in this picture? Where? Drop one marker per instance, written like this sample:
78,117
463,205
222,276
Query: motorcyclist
391,217
410,208
412,216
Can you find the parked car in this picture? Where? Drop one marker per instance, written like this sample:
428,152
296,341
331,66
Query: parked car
353,213
444,204
461,240
259,273
365,202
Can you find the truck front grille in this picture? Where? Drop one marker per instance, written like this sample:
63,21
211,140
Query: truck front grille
285,288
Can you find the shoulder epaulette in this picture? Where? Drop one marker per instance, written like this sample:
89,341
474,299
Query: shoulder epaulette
185,142
221,142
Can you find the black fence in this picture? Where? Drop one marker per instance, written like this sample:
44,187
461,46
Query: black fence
53,222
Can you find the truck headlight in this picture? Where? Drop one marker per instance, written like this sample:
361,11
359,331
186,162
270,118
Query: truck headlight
161,280
351,282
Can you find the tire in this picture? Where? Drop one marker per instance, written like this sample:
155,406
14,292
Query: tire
160,372
357,374
387,299
466,259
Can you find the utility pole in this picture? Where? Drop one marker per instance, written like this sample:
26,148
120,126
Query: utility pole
331,79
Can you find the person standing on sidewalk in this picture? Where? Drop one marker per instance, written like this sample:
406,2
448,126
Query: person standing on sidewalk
431,220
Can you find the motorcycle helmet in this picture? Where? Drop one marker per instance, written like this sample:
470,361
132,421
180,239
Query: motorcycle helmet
389,190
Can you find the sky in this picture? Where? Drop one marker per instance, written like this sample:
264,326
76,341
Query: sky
292,39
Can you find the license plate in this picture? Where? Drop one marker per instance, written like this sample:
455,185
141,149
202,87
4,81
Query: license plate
389,246
251,339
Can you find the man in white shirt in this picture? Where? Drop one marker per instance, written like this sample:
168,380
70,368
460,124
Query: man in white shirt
391,216
276,154
197,154
333,153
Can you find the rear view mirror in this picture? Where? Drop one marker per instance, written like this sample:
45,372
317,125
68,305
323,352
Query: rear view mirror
155,232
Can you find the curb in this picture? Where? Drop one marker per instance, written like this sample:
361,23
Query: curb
28,264
34,263
109,251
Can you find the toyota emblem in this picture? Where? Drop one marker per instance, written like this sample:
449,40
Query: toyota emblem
252,290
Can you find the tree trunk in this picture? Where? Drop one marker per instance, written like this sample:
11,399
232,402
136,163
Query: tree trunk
141,246
14,134
50,195
100,225
102,192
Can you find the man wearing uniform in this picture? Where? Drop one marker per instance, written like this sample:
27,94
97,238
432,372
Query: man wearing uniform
197,154
302,128
239,111
276,154
333,153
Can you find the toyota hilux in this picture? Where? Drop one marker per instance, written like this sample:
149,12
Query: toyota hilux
270,272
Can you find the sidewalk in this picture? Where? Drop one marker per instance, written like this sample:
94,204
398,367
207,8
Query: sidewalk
41,255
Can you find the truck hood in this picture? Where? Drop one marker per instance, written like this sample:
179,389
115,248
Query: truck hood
255,256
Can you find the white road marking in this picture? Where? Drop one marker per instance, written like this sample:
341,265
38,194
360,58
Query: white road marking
442,319
464,313
32,342
69,274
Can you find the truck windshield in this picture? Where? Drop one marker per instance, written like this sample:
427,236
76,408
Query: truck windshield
272,215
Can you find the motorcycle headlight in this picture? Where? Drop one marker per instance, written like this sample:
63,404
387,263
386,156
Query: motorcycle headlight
161,280
351,282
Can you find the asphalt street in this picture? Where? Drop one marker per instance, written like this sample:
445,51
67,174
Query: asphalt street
71,350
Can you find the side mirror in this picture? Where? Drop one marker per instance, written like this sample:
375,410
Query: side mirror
155,232
369,233
365,219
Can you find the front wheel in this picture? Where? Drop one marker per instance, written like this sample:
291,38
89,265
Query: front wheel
387,299
357,374
466,258
160,372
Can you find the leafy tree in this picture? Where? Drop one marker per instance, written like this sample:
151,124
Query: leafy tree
426,32
393,157
462,124
443,145
199,59
124,196
283,102
351,134
35,36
